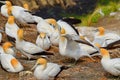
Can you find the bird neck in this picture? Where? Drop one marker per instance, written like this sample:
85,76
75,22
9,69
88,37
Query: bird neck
106,56
44,66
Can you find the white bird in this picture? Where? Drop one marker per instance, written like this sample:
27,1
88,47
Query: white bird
11,27
70,48
45,71
26,47
110,65
4,8
43,41
45,27
9,48
106,39
8,61
62,24
20,13
37,19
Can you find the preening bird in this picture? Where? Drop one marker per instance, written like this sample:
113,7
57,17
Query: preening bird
106,39
8,61
110,65
43,41
46,70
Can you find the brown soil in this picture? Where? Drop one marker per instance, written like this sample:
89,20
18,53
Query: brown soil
85,69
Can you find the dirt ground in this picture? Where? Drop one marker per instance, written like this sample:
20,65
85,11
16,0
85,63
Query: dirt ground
85,69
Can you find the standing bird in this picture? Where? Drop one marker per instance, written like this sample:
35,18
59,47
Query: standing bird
110,65
45,71
11,28
27,48
106,39
8,61
43,41
70,48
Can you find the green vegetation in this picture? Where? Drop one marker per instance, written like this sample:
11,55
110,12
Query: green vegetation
106,6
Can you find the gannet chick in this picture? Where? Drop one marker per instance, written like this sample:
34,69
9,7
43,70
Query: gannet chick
110,65
43,41
45,70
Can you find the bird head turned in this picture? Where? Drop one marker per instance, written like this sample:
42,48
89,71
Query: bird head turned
8,4
52,21
14,62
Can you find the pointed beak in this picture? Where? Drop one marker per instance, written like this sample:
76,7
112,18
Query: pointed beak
3,2
34,66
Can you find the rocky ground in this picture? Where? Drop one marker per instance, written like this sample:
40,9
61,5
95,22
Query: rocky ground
85,69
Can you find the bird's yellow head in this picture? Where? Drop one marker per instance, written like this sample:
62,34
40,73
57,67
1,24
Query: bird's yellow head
20,34
52,21
97,45
101,31
8,4
62,31
42,35
104,53
14,62
6,46
11,20
42,61
26,6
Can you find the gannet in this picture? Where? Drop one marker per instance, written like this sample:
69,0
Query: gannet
110,65
46,70
8,61
106,39
26,47
43,41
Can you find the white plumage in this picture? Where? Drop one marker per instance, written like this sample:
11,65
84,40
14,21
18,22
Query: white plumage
105,39
46,70
110,65
10,63
11,27
43,41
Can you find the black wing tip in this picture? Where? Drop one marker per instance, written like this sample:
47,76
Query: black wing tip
44,53
71,20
